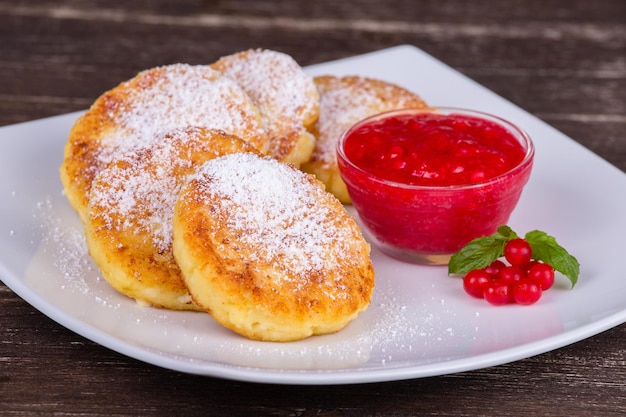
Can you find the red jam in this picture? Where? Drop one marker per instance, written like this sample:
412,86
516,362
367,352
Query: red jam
433,149
425,183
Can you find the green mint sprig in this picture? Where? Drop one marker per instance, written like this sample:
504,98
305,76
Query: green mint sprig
482,251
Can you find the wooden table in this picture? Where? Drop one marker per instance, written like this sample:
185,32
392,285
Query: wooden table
562,60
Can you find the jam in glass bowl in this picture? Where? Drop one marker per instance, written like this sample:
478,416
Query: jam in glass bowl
425,182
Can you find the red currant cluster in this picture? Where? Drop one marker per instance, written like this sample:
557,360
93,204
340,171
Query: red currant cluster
521,282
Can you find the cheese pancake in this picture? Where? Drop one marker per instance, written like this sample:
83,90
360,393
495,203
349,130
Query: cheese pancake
268,252
129,218
154,102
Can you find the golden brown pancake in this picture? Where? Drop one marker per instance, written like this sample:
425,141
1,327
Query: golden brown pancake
285,95
343,102
147,106
128,222
268,252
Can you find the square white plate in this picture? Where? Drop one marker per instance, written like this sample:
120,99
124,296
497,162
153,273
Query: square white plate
420,322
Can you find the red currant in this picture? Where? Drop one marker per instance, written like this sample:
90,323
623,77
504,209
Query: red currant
517,251
475,281
526,267
542,274
497,293
495,267
526,292
510,274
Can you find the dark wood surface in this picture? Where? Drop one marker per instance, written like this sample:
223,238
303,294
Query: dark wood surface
562,60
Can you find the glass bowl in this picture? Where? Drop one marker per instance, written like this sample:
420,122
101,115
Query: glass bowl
411,213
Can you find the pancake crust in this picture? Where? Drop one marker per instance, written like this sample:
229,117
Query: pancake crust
145,107
285,95
268,252
128,221
343,102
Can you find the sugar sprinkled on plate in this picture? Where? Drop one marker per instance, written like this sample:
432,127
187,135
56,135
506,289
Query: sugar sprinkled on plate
69,250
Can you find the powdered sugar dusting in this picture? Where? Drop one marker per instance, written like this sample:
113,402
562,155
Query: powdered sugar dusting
277,210
274,80
285,94
182,95
138,192
69,250
62,268
339,109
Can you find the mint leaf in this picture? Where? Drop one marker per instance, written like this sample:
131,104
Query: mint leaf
480,252
506,233
546,249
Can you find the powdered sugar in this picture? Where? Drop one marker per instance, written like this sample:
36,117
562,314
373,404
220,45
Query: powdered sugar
283,92
138,192
339,109
276,209
274,81
181,95
64,247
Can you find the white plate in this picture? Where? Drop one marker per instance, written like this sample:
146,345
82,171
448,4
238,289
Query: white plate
420,322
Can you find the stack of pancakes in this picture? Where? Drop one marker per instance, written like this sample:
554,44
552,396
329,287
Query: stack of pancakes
195,187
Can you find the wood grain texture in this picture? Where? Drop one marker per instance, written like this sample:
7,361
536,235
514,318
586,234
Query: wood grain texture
562,60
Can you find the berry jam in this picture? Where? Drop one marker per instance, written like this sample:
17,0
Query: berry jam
433,149
425,183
